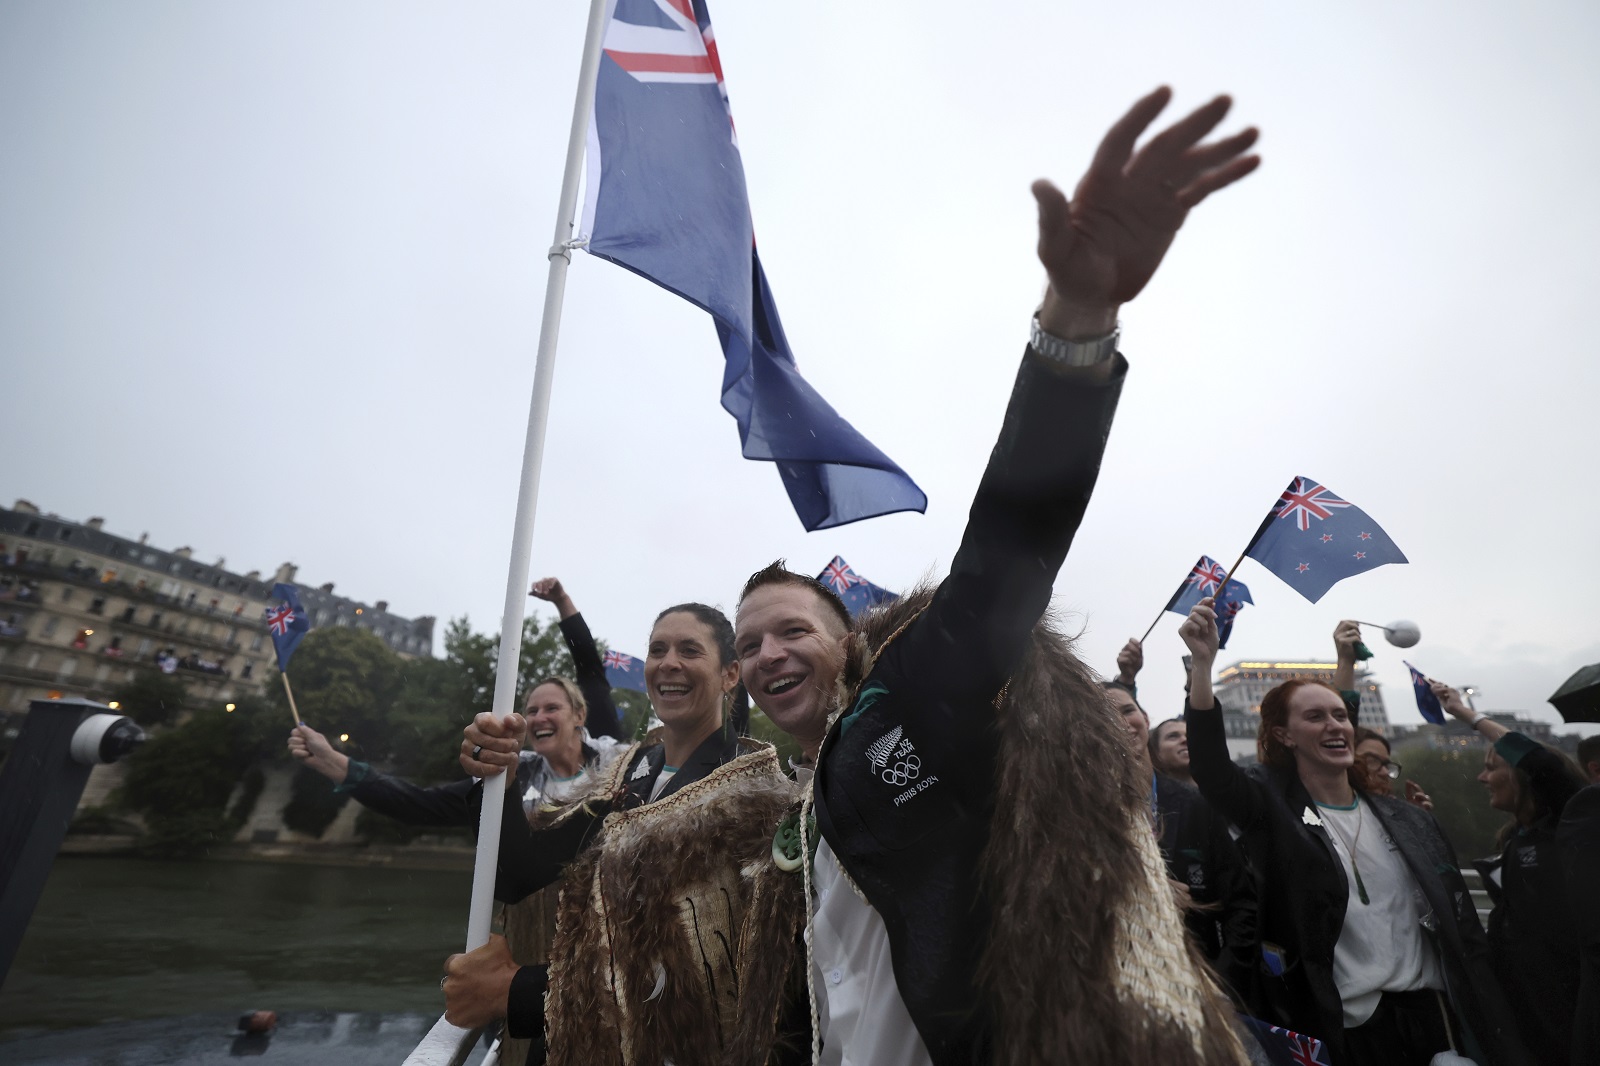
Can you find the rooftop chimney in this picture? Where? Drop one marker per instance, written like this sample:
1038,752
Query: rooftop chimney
286,572
220,563
328,588
96,523
381,605
184,552
143,537
254,575
26,507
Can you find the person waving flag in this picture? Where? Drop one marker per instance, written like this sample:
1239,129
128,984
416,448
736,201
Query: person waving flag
1312,539
624,671
665,198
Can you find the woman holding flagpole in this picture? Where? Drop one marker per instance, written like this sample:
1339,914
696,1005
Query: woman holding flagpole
651,857
1370,941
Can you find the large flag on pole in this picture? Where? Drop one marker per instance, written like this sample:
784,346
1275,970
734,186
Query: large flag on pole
856,591
665,197
1202,581
287,622
1313,539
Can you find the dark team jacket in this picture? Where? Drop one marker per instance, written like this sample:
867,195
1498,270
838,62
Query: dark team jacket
1531,927
1202,856
452,804
904,783
1579,837
1304,894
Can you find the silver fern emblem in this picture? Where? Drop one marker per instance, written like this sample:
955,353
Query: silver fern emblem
878,754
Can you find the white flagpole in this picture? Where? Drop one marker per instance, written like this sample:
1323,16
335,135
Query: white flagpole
505,680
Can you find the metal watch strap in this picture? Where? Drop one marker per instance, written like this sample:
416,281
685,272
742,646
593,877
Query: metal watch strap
1073,353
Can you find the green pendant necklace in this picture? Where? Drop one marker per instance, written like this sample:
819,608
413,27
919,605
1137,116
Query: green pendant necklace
1350,845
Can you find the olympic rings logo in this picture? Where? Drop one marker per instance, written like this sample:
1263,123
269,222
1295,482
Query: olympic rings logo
902,772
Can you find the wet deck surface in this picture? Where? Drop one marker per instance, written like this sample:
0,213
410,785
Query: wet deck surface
308,1038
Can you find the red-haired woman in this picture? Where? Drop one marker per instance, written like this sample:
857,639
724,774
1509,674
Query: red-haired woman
1369,937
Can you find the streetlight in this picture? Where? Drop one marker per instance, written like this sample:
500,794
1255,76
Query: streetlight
114,705
344,738
1469,691
229,708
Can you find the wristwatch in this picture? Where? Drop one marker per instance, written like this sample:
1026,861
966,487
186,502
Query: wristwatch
1063,352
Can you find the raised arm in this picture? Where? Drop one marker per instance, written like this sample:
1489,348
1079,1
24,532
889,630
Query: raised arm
1346,639
1552,784
1099,250
1239,797
602,719
441,805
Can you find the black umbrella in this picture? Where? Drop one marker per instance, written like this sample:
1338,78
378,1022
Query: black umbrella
1579,699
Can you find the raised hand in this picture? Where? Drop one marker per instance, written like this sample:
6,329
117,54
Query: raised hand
1102,247
492,745
550,590
1130,660
1451,701
312,748
1346,635
1199,631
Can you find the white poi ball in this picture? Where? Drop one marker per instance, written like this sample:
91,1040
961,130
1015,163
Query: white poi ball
1402,634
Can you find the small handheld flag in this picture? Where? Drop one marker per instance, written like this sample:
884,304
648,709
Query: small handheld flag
1312,539
624,671
856,591
1427,703
287,622
1203,580
1284,1047
666,198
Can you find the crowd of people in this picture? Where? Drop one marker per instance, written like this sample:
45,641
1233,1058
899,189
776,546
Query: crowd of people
983,852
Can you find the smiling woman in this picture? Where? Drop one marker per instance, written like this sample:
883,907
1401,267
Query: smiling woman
661,841
1348,880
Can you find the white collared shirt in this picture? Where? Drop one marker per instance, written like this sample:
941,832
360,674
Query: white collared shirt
863,1019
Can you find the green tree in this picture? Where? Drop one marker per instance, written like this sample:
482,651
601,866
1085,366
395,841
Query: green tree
181,779
151,698
345,682
1460,804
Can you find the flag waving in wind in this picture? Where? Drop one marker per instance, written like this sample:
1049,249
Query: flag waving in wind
287,622
1202,581
1427,703
1313,539
666,198
856,591
624,671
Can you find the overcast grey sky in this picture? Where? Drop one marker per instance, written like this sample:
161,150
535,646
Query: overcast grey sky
270,278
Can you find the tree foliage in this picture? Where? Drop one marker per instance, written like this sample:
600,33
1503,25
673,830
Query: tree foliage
151,698
1460,803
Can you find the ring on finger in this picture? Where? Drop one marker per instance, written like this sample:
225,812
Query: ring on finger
477,751
442,980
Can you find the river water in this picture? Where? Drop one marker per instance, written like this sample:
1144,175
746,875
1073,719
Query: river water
125,939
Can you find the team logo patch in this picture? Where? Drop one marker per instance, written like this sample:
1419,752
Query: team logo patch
894,758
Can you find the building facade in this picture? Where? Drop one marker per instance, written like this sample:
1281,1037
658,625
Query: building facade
1241,686
82,611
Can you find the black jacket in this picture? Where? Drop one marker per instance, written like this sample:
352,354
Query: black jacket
1304,893
1531,929
912,845
1579,837
1202,856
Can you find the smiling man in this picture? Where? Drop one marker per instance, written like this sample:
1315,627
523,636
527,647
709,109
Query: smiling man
920,950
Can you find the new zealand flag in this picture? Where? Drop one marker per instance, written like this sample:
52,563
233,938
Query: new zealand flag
287,622
623,671
856,591
1202,581
1313,539
666,198
1427,703
1284,1047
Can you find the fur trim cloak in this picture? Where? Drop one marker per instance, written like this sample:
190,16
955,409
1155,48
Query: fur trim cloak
1086,959
645,965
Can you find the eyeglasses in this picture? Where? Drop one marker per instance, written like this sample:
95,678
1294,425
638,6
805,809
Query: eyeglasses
1387,767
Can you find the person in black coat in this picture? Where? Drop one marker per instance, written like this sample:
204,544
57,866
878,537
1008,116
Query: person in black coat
1578,837
1370,939
1532,924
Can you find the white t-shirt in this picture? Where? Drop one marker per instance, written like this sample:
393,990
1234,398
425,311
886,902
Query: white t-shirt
1381,947
667,774
863,1019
